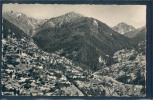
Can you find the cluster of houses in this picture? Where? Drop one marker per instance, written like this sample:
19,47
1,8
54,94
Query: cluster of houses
27,70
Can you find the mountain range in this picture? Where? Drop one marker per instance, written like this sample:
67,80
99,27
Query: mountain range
82,39
71,55
27,24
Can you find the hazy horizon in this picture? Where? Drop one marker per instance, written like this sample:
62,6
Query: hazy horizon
134,15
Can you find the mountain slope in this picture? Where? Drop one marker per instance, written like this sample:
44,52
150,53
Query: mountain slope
58,21
127,69
133,33
123,28
140,36
84,40
21,53
24,23
10,29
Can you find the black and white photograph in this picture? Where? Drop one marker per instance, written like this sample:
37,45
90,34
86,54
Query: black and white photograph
73,50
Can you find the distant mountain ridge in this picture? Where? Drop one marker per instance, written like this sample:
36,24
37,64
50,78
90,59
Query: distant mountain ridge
137,36
140,36
123,28
133,33
26,24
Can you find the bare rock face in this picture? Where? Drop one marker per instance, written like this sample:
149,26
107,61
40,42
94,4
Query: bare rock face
123,28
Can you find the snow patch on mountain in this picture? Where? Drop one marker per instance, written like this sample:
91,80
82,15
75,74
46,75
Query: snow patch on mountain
95,22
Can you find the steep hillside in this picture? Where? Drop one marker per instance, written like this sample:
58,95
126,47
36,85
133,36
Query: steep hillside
140,36
28,71
12,30
129,67
81,40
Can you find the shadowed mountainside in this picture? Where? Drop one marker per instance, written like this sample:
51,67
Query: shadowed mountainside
82,39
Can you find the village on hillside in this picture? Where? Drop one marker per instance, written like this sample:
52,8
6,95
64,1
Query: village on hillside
27,70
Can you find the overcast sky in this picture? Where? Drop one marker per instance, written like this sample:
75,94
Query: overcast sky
110,14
